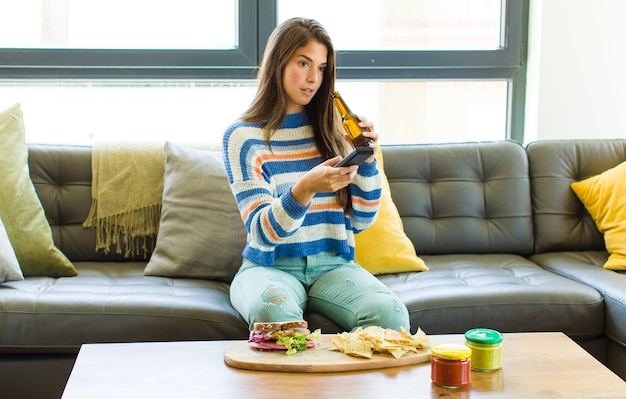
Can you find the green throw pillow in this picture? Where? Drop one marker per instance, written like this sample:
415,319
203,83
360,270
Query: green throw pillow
20,208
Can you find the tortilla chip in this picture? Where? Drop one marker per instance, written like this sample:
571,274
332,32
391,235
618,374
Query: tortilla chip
363,342
398,337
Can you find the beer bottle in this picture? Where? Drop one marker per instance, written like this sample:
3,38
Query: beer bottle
350,122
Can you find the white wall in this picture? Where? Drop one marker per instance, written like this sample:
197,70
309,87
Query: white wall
576,82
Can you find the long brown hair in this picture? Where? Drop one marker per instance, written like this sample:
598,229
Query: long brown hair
269,105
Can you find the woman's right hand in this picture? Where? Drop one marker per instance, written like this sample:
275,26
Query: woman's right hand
323,178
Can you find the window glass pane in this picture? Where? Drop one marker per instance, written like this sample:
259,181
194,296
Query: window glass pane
87,112
119,24
431,112
404,24
403,112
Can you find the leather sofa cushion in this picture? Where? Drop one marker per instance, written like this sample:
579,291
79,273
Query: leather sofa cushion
504,292
62,179
462,198
586,267
561,221
114,302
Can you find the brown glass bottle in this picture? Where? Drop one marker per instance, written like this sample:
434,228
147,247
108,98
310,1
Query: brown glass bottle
350,122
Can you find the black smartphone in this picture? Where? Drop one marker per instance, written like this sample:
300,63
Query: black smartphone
356,157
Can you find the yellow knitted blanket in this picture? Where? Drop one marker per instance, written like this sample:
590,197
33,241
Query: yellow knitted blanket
126,190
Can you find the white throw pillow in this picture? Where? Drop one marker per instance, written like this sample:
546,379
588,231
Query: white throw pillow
9,267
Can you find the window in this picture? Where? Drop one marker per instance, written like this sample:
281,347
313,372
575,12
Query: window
127,42
119,24
423,70
406,24
431,111
84,112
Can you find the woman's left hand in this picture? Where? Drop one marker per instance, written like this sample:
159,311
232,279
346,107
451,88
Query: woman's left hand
369,133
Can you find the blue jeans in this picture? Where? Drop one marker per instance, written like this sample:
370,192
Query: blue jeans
325,283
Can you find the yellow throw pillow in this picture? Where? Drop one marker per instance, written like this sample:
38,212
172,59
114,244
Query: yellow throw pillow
604,197
20,208
384,247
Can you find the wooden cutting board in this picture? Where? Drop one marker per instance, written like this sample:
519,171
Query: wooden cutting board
314,360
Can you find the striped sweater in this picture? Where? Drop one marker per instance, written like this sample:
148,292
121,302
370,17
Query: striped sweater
278,225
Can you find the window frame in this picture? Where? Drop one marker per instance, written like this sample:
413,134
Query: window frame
166,64
256,20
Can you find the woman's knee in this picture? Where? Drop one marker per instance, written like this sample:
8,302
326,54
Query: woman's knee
275,304
389,312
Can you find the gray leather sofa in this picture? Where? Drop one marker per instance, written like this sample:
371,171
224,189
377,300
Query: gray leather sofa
508,244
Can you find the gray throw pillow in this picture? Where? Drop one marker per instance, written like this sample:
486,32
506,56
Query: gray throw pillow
201,234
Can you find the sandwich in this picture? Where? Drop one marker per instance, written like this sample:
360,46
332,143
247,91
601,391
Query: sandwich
289,336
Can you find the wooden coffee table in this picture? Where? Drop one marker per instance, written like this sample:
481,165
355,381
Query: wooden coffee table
537,365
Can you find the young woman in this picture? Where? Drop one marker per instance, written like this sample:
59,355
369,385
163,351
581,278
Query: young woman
301,213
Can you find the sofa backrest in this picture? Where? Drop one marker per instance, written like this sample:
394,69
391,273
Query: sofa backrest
453,198
561,221
462,198
62,179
